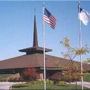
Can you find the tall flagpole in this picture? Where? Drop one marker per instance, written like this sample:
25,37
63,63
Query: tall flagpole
44,52
80,46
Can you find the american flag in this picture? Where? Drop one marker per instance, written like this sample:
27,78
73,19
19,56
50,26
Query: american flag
49,18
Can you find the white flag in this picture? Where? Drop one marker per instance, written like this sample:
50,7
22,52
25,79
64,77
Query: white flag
84,16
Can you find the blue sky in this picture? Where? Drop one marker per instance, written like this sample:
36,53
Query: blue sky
16,26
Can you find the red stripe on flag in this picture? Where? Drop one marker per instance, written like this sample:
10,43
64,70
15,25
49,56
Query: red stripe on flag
50,19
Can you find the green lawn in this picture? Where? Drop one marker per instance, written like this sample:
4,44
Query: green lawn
50,86
87,77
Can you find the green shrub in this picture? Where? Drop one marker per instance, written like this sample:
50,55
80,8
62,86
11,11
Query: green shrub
62,83
87,77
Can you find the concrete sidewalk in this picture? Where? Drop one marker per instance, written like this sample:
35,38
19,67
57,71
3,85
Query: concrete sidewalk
8,85
5,85
85,84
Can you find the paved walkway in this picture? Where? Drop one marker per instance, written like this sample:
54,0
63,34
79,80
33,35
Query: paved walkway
85,84
7,85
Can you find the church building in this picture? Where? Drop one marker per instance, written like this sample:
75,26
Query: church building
30,66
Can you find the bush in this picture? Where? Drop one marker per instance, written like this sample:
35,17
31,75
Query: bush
62,83
20,86
87,77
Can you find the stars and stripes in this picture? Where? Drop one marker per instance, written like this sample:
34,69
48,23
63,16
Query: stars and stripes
49,18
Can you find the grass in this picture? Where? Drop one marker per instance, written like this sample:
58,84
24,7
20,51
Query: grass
87,77
37,85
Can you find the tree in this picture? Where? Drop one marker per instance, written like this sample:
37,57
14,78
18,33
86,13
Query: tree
29,74
87,60
73,73
71,52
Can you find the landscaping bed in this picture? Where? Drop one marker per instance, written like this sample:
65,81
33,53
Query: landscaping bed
38,85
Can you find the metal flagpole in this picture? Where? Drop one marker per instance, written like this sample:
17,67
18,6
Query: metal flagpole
80,46
44,52
80,43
